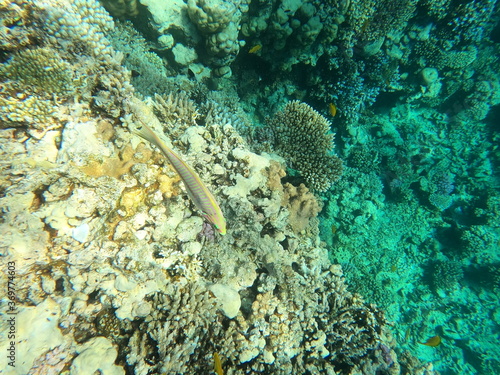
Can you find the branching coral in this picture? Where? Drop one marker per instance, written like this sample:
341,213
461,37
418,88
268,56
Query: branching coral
303,137
26,109
32,78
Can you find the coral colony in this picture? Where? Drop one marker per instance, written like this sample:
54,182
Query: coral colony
350,154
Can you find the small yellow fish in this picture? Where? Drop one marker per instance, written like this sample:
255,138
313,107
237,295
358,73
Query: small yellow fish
433,341
217,364
255,48
332,108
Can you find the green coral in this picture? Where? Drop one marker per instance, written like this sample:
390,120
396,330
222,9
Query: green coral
444,275
303,137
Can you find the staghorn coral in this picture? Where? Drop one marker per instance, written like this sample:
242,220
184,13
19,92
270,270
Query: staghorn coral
303,137
176,110
184,315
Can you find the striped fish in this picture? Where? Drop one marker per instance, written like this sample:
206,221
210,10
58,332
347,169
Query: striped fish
202,198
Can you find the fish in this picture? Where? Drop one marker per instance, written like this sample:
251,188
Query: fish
202,198
332,108
255,48
217,364
433,341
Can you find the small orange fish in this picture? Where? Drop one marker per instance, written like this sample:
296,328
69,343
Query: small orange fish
255,48
332,108
433,341
217,364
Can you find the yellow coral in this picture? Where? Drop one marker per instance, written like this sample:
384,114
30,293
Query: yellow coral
25,109
41,68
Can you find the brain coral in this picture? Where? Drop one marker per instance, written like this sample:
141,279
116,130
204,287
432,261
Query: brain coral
303,137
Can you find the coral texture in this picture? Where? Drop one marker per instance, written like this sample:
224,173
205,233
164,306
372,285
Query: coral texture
304,138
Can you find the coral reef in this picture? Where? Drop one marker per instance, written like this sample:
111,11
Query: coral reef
108,244
132,276
116,271
382,223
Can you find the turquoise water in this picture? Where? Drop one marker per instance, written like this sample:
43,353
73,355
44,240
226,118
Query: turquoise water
361,134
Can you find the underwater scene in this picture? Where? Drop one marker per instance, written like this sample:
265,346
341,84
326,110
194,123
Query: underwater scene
290,187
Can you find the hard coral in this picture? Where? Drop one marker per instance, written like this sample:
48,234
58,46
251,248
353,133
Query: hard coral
444,274
302,205
42,69
121,8
14,19
303,137
25,109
